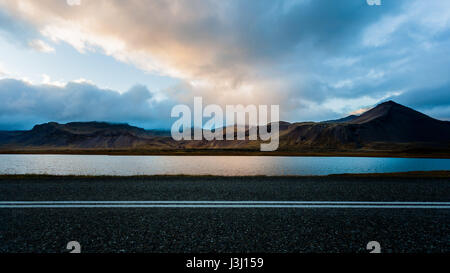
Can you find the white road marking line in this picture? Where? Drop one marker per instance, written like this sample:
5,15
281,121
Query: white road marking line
228,202
224,204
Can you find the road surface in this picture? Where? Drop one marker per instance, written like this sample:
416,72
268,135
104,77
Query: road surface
224,214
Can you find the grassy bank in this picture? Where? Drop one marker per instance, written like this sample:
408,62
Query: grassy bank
414,174
394,154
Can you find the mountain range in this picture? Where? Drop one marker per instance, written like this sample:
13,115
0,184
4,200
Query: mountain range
389,129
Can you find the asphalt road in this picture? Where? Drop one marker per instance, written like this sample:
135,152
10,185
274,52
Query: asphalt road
107,225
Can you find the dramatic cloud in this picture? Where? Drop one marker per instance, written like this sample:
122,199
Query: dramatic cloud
317,59
23,105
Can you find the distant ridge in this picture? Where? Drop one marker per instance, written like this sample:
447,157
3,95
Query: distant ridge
83,135
342,120
387,128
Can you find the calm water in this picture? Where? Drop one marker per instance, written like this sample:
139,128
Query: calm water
212,165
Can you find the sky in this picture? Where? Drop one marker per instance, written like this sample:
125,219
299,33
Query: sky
132,61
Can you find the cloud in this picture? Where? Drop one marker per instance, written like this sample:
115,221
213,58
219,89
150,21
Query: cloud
360,111
47,81
3,72
438,97
217,42
317,59
16,29
41,46
22,105
73,2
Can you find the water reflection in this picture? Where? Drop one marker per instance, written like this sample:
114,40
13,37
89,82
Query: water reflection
210,165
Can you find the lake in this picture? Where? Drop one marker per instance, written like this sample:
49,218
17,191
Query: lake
210,165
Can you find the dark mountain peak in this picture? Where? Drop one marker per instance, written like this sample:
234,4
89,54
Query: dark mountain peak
378,111
389,110
389,102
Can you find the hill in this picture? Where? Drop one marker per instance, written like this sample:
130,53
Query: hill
387,129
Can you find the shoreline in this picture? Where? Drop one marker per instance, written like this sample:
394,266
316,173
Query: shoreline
412,174
380,154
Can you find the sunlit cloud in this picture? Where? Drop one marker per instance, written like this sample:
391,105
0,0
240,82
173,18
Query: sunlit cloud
47,81
73,2
41,46
360,111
